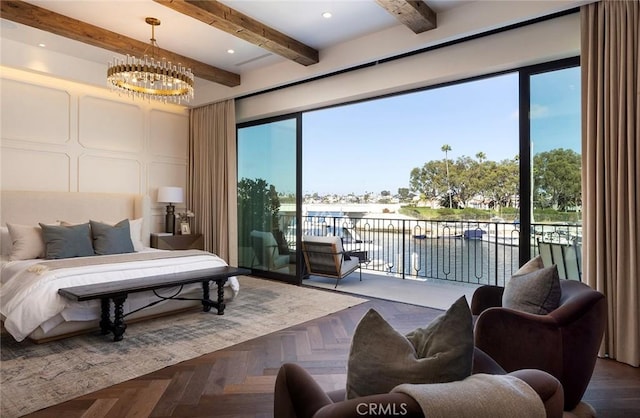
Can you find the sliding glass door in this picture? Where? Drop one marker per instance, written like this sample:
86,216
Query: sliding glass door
493,160
555,165
267,197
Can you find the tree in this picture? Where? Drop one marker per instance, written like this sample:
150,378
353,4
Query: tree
467,179
501,182
557,179
446,148
429,180
403,194
258,208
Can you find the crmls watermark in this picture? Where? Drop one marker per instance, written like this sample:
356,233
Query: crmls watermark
381,409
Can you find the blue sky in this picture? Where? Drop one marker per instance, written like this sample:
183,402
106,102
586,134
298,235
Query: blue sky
372,146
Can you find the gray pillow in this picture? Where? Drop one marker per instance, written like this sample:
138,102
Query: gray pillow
66,241
537,292
108,239
381,358
532,265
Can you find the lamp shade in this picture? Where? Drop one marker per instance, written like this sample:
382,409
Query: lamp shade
170,195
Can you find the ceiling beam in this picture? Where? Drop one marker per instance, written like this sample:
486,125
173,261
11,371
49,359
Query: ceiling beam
414,14
37,17
222,17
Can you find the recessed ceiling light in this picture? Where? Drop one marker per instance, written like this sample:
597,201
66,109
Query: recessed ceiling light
326,15
42,45
231,51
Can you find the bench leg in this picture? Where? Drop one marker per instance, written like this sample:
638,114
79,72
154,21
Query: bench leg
207,303
118,324
105,321
221,304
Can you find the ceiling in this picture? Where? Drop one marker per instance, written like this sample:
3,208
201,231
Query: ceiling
302,20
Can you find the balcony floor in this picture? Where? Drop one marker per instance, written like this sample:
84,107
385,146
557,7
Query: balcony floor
432,293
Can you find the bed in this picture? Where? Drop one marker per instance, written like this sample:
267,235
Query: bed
30,306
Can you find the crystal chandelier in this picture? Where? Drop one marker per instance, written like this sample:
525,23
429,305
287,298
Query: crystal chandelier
150,77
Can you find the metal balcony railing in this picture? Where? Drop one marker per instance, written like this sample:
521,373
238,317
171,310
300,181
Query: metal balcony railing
475,252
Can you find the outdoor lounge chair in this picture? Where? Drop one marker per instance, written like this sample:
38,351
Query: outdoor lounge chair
266,252
565,256
324,256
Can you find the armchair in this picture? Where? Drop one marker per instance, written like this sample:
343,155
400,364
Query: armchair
298,395
564,343
325,256
266,251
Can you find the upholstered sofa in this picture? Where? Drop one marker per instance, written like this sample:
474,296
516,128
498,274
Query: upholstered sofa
298,395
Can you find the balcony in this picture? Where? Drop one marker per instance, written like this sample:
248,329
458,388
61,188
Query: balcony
469,252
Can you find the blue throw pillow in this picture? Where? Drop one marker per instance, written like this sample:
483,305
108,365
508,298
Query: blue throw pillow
108,239
66,241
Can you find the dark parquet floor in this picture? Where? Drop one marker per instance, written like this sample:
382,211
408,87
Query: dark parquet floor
238,381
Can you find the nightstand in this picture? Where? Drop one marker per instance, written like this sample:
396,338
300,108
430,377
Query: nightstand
177,242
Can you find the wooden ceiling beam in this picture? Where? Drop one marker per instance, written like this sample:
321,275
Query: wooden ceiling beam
40,18
414,14
222,17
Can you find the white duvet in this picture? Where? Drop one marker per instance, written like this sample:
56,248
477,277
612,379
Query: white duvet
29,299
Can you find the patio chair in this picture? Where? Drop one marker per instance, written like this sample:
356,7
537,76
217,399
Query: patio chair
325,256
266,254
565,256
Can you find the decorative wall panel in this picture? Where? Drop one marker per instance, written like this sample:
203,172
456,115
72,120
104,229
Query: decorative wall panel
59,135
167,174
168,134
109,175
35,170
109,125
35,113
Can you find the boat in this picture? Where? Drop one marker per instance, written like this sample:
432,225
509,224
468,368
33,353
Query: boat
474,234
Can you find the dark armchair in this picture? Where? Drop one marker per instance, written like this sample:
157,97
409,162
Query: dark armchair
298,395
564,343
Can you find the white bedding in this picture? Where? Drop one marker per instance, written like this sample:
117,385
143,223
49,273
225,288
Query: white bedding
29,299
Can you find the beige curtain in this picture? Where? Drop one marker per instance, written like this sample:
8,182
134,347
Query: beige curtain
611,168
212,176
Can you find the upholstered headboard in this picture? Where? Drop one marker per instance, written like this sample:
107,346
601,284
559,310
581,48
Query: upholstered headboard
31,207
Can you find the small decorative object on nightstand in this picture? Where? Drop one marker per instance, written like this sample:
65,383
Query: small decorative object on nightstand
177,242
183,220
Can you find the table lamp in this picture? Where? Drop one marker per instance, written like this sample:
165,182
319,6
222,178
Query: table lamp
170,195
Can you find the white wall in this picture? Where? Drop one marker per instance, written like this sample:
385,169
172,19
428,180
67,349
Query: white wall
59,135
532,44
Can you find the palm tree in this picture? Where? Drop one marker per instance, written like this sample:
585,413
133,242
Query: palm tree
446,148
481,156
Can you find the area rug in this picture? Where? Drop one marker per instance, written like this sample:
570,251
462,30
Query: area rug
35,376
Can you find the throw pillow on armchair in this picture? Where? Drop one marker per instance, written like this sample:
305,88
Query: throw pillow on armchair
381,358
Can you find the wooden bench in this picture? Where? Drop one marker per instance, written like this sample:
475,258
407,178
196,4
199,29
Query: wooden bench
119,290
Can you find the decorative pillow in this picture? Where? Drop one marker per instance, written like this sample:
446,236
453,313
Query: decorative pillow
537,291
135,226
27,242
67,241
531,265
381,358
109,239
5,241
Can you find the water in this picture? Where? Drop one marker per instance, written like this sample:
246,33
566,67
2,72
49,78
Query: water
448,258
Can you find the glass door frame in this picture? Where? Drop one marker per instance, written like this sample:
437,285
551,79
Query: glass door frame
297,279
526,184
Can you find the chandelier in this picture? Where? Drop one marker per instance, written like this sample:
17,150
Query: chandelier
150,77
